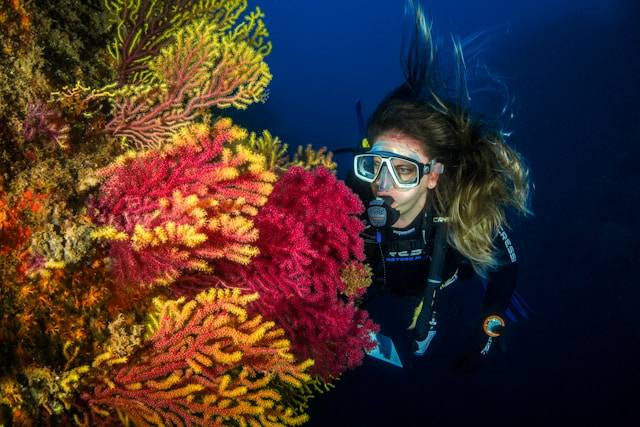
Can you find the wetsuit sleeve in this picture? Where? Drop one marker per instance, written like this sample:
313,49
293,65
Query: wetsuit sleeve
501,282
500,286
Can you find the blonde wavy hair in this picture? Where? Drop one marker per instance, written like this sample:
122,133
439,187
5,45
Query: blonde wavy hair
483,176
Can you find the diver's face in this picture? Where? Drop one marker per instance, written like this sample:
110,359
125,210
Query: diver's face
408,201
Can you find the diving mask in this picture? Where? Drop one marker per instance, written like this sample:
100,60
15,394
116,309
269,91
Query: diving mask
405,172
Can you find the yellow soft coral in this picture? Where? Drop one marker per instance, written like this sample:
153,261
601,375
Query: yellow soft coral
208,350
273,150
309,158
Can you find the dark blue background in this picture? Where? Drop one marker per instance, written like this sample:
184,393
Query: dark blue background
573,67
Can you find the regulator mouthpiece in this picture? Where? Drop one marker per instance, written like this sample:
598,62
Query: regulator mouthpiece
380,212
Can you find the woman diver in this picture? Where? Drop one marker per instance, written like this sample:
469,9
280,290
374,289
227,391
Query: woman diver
439,183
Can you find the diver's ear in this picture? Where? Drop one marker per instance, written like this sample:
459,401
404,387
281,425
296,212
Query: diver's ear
432,178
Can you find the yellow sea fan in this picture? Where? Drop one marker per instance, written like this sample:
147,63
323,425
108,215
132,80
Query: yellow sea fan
220,357
309,158
273,150
193,63
162,20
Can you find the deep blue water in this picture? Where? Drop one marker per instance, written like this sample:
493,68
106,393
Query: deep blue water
573,67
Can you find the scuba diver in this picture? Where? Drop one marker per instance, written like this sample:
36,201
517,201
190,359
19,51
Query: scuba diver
438,184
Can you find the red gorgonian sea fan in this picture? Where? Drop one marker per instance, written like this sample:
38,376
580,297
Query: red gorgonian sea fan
181,208
309,233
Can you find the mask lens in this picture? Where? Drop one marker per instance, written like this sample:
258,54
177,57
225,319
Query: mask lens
406,171
368,166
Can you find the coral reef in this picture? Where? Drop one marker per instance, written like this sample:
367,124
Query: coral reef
68,97
44,45
151,274
54,308
207,362
13,231
209,64
181,208
21,78
309,234
72,37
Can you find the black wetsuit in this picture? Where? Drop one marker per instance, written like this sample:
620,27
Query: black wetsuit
418,394
427,390
400,265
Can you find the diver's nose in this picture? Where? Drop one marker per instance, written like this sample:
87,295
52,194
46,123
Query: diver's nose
385,181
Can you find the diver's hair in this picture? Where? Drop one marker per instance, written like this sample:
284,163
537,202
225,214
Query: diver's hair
483,176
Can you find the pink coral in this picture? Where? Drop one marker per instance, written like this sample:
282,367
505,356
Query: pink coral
309,232
182,208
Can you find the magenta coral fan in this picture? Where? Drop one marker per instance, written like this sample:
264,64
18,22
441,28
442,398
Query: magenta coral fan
309,232
181,208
